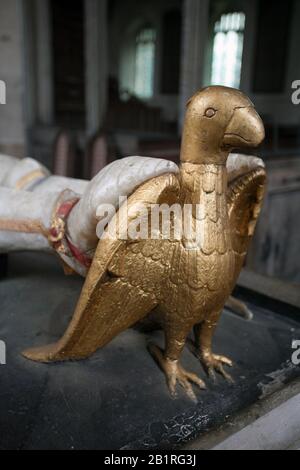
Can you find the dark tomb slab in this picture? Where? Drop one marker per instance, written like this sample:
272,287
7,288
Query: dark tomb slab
118,399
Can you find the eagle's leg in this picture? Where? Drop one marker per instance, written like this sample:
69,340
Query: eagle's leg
168,360
203,348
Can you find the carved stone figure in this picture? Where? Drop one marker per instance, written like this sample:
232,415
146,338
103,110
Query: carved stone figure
188,279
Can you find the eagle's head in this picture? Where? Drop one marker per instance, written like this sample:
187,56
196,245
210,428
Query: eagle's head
218,120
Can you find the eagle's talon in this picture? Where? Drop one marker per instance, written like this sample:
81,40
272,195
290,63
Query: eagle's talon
223,360
214,362
211,374
174,373
211,362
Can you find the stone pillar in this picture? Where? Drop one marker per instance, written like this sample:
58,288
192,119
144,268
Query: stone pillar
45,100
28,39
11,113
37,61
96,63
195,34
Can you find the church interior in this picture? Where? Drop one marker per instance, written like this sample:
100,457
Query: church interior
102,79
84,83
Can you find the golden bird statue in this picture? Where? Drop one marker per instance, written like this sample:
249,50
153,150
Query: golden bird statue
187,279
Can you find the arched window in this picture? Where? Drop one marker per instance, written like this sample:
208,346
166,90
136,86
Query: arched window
144,62
228,50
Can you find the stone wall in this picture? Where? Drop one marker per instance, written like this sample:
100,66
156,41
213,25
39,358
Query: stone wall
11,113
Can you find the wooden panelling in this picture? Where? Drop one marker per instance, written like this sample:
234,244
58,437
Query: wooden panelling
275,250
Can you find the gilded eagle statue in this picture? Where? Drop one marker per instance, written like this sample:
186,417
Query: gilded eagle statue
186,279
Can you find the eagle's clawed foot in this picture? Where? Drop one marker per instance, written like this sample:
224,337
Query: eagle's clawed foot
213,362
176,373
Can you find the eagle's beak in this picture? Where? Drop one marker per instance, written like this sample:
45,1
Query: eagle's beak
245,129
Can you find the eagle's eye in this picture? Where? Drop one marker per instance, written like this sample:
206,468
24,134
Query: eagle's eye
210,112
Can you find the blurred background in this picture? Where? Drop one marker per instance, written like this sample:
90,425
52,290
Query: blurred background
89,81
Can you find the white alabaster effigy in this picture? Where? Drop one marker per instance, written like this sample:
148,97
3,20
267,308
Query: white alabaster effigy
37,202
7,163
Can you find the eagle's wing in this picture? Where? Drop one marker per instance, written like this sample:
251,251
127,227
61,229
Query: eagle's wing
246,188
114,296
